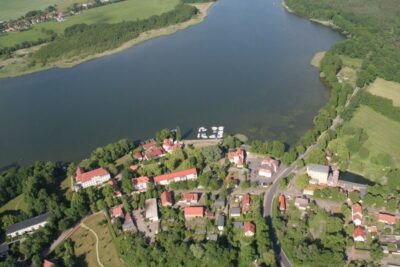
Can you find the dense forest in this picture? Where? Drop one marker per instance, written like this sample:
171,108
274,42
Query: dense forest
373,28
83,40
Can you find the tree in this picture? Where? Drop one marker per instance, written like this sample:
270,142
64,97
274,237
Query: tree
278,148
178,133
212,153
302,181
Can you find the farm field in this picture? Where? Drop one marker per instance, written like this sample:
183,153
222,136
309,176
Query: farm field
387,89
383,138
12,9
124,11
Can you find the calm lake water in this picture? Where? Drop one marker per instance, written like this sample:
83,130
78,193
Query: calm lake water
245,67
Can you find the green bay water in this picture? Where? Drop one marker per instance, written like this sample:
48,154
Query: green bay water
245,67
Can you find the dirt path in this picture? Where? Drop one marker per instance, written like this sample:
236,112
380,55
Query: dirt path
83,225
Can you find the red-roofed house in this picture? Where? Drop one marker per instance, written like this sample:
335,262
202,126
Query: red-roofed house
166,199
134,168
117,212
169,145
140,184
154,153
91,178
246,203
238,157
249,229
359,234
193,212
149,144
138,156
282,202
128,225
190,198
47,263
179,176
387,218
357,214
268,167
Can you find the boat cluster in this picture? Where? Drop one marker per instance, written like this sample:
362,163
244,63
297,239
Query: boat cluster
216,133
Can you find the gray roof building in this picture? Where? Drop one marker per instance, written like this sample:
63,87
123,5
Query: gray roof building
238,225
220,222
28,225
4,250
235,212
220,203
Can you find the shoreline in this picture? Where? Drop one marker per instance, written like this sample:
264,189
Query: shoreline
203,8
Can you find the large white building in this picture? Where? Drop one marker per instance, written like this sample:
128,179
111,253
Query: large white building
151,208
179,176
318,173
91,178
28,226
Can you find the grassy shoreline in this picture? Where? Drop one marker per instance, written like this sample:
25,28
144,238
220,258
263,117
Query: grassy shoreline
9,73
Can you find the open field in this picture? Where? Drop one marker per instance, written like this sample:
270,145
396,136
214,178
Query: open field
85,243
124,11
12,9
16,203
85,247
107,250
316,60
387,89
383,137
354,63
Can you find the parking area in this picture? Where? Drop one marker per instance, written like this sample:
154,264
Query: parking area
254,163
149,229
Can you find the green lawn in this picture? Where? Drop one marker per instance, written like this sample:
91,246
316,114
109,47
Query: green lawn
12,9
387,89
124,11
383,137
16,203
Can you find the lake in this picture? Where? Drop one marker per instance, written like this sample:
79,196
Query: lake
246,67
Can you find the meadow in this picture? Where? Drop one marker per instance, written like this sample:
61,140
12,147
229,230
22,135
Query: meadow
387,89
129,10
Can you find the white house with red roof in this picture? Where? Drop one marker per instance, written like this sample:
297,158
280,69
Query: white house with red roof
357,214
140,184
91,178
169,145
193,212
249,229
359,234
190,198
154,153
117,212
387,218
268,167
166,199
238,157
179,176
246,203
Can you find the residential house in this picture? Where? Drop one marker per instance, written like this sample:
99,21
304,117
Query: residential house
318,173
169,145
190,198
134,168
151,209
138,156
149,144
246,203
249,229
154,153
128,225
166,199
238,225
235,212
28,226
140,184
359,234
210,214
357,214
220,222
282,202
47,263
91,178
301,203
212,237
166,179
220,203
117,212
268,167
387,218
193,212
237,157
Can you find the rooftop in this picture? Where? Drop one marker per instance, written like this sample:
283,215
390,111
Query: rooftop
27,223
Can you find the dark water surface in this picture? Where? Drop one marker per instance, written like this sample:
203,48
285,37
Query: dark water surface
245,67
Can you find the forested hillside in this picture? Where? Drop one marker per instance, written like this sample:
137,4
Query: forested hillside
373,27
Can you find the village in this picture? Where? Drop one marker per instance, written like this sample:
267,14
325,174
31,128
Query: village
246,179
